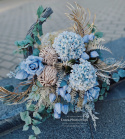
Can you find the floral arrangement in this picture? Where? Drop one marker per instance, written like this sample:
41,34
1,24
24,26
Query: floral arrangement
62,71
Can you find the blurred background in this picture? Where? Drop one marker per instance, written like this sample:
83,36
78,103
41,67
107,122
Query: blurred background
16,17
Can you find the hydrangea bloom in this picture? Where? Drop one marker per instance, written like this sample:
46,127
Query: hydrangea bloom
83,76
69,45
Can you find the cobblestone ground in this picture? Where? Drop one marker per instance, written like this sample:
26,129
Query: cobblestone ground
17,16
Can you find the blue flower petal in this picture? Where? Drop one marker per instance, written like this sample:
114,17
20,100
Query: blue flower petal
85,56
86,38
65,109
56,115
52,97
91,37
21,74
94,54
68,97
58,108
62,92
85,99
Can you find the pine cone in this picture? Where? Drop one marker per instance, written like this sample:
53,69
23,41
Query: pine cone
49,55
48,77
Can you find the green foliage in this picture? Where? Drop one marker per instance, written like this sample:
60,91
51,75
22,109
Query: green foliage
99,34
104,84
37,40
36,52
41,108
37,96
25,127
37,116
9,88
24,115
34,88
32,137
40,29
121,73
101,98
49,110
102,91
36,130
38,84
31,107
115,77
28,120
36,122
42,19
40,11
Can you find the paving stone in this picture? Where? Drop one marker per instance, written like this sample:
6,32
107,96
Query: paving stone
6,64
3,72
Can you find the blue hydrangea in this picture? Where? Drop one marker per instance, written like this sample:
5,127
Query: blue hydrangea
83,76
69,45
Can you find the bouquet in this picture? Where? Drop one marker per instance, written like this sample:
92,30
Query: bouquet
62,71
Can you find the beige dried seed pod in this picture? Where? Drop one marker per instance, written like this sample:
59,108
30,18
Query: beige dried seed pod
49,55
48,77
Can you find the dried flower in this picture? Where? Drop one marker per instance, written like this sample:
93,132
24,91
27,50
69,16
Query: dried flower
48,77
49,55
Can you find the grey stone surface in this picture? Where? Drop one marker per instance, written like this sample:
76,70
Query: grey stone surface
111,123
55,129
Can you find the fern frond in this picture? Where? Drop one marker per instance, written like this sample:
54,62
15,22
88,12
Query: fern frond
81,94
73,95
80,102
12,97
67,63
102,75
79,16
109,68
98,47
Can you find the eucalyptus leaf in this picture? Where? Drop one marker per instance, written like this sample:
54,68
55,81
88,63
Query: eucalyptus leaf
28,120
40,11
99,34
31,107
41,108
42,19
104,84
38,84
25,127
34,88
31,95
115,77
102,91
101,98
36,130
40,29
37,40
37,116
23,115
49,110
36,52
32,137
36,122
121,73
37,96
